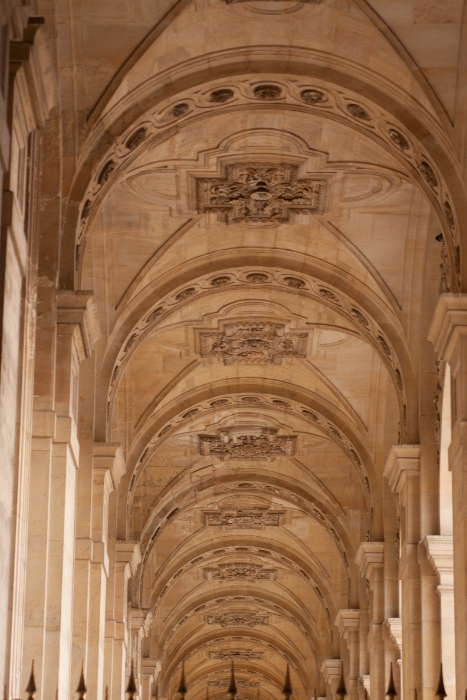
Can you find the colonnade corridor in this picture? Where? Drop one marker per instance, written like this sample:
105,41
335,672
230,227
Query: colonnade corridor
233,349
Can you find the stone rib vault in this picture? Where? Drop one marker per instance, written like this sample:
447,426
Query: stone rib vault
233,384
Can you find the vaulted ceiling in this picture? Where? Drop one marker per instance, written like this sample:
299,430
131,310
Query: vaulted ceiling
256,208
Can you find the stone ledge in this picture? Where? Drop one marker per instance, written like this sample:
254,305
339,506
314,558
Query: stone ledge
402,463
370,556
331,669
393,626
347,621
449,322
440,554
77,316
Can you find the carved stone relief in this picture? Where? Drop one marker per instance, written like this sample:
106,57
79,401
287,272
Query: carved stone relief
260,192
240,571
237,619
243,518
239,682
265,444
253,343
232,654
445,270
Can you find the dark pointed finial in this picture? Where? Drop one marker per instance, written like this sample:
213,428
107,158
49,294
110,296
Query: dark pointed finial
81,689
131,688
232,689
441,690
316,696
341,691
106,692
207,692
287,690
391,692
31,688
182,689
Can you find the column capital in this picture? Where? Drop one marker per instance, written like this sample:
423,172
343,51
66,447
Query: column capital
109,457
331,669
393,626
403,462
449,322
129,553
140,619
347,621
440,553
369,557
77,316
366,683
149,665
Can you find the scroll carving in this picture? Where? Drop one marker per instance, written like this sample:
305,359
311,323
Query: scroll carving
243,518
253,343
237,619
260,193
239,682
232,654
240,571
266,444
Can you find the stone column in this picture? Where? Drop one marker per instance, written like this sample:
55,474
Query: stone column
364,666
348,624
31,95
148,677
402,471
331,669
440,555
54,462
448,333
92,565
126,558
370,559
140,622
392,628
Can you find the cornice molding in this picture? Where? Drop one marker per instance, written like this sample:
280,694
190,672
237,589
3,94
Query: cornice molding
393,626
403,462
77,316
331,668
109,457
347,621
128,553
448,324
370,556
440,554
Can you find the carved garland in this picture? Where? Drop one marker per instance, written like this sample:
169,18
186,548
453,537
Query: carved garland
348,106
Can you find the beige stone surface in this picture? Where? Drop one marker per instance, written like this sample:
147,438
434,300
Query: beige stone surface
232,372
